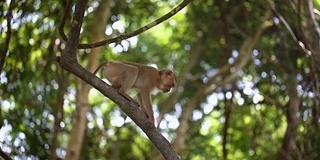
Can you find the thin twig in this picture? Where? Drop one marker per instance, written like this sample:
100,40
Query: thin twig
138,31
291,32
64,18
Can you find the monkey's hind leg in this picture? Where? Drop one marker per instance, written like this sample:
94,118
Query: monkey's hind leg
117,85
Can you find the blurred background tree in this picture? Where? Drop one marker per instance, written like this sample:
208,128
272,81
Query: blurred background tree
248,80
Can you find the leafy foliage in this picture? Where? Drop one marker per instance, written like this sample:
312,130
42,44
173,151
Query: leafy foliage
243,119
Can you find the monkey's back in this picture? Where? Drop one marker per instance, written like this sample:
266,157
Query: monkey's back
148,77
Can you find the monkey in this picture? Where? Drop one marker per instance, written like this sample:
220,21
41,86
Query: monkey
126,75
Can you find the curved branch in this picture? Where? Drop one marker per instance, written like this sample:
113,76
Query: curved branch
288,27
63,21
313,33
4,155
138,31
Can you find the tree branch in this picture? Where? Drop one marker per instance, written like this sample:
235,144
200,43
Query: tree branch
69,62
121,37
63,21
138,31
4,155
288,27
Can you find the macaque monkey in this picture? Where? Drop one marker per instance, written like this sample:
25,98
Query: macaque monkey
126,75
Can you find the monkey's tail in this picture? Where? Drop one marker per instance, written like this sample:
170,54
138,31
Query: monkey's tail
99,68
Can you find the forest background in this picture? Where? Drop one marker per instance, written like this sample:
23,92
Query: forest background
248,80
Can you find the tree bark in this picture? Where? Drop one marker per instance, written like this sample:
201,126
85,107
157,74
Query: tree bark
79,122
227,114
58,112
4,156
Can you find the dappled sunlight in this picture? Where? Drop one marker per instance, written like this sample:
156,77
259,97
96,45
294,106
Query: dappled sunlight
212,101
117,121
6,105
172,121
247,79
5,136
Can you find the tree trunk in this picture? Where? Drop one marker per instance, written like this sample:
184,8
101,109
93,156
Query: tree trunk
288,143
79,122
227,114
58,112
313,34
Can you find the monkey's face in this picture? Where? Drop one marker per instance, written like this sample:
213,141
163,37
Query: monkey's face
168,80
164,88
166,84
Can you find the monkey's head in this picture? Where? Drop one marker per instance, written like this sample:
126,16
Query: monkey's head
168,80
